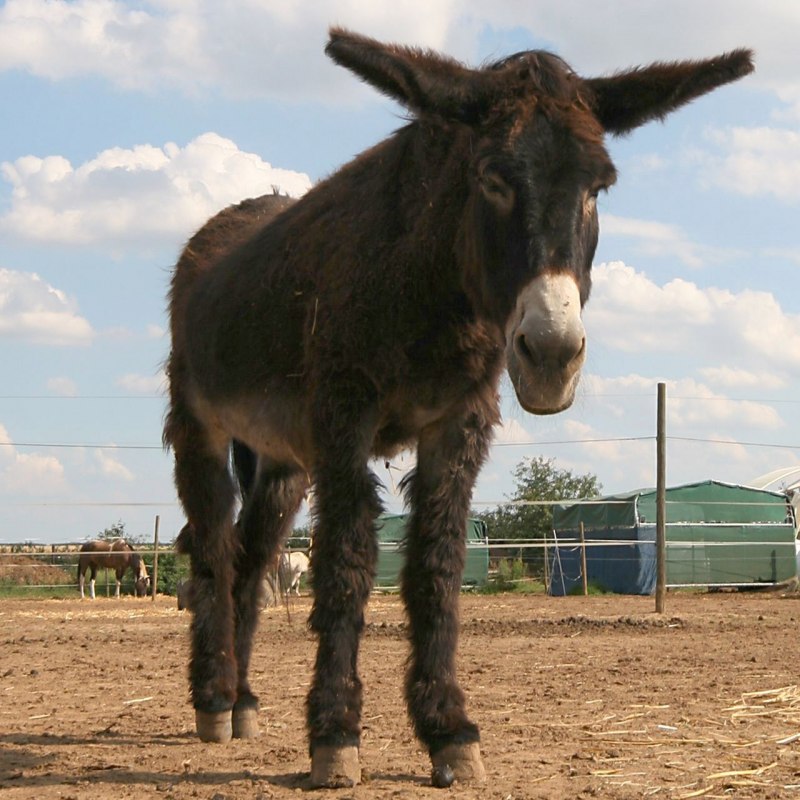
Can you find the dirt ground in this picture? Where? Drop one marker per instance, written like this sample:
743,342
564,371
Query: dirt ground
593,697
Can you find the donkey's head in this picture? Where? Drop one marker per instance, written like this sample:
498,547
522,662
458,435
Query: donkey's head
528,137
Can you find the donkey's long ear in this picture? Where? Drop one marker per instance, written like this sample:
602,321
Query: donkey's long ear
626,100
421,80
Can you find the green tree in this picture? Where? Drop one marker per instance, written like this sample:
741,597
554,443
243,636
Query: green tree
115,531
537,479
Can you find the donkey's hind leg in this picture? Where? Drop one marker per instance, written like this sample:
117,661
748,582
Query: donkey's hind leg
270,503
206,490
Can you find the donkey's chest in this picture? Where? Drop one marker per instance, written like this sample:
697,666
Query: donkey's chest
415,407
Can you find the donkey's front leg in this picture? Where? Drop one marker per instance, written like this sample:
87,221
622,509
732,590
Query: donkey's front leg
343,560
439,493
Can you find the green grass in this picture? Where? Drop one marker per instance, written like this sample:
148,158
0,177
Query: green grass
20,591
512,577
591,589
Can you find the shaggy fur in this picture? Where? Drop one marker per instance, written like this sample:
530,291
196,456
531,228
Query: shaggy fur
377,313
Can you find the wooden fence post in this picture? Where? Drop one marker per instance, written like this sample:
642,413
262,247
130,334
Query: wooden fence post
546,566
155,559
661,499
584,574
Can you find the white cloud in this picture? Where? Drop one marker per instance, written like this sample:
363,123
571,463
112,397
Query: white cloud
248,49
110,467
126,196
510,431
691,405
707,432
27,473
626,462
631,313
244,48
732,378
659,239
32,473
63,387
142,384
757,162
33,311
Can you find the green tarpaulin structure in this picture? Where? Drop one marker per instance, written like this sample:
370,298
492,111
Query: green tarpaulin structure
391,552
718,534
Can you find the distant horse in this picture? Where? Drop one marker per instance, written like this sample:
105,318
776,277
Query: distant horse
296,565
278,583
285,577
378,313
117,555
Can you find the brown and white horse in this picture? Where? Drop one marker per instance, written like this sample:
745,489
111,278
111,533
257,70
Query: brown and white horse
117,555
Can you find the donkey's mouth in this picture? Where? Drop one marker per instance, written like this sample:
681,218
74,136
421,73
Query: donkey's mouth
543,395
546,343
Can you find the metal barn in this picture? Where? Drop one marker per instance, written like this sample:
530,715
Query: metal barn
717,534
391,552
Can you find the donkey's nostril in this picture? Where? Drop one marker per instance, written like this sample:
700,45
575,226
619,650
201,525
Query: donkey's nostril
521,346
569,354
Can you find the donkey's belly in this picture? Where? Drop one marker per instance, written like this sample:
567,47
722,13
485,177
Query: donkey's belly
276,428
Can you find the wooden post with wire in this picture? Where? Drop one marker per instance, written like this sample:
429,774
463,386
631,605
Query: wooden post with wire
584,574
155,559
546,567
661,499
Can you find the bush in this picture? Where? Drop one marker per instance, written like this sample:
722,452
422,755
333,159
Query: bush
172,568
509,577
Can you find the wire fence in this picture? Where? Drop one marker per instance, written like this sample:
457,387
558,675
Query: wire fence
699,554
554,554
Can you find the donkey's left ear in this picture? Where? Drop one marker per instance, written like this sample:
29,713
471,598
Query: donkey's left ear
627,100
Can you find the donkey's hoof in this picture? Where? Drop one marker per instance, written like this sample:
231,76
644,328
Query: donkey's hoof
457,762
335,767
245,723
214,726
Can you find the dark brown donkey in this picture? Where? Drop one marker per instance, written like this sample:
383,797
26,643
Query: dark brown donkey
377,313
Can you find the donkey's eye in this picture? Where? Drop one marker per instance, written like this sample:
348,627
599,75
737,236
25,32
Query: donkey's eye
497,190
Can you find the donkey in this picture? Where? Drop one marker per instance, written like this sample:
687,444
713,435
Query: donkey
378,313
117,555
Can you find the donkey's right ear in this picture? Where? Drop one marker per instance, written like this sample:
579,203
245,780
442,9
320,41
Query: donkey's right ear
422,80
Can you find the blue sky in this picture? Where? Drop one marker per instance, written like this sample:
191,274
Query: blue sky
127,124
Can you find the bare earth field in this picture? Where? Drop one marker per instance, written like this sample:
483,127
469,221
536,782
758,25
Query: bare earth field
577,697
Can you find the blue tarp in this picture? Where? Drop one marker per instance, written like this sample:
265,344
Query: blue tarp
717,534
621,568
